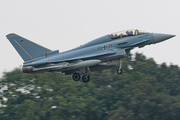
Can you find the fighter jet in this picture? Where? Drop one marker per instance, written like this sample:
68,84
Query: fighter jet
101,53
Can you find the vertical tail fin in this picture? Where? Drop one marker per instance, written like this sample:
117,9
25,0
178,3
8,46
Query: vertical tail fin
27,50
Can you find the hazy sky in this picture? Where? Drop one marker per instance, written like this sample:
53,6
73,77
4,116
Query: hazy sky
66,24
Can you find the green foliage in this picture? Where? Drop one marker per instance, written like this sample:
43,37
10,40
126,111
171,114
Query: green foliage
145,91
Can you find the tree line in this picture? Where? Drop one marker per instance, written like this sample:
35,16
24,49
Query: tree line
145,91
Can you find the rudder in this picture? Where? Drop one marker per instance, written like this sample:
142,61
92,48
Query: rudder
27,49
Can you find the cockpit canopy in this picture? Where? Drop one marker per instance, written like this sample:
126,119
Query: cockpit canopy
126,33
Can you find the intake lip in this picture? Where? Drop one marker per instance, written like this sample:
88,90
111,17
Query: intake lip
158,37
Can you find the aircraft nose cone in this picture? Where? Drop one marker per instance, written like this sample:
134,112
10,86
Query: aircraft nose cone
161,37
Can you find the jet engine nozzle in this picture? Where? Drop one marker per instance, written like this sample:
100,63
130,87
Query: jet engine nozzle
28,69
158,37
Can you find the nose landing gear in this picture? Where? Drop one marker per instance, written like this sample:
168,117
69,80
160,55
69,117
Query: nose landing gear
119,71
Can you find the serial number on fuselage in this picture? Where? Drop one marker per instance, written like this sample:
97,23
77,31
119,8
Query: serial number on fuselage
105,47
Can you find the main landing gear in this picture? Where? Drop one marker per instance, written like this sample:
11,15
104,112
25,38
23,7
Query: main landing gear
85,77
119,71
76,76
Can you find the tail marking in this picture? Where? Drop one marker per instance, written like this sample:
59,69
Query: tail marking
23,48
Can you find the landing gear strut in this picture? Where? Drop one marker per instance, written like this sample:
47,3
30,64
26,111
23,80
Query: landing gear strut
76,76
119,71
86,77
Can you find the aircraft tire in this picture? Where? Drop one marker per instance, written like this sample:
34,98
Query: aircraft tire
86,78
76,76
119,71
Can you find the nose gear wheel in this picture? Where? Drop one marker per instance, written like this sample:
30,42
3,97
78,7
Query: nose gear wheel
119,71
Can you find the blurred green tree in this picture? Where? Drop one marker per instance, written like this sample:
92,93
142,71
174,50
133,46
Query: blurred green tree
145,90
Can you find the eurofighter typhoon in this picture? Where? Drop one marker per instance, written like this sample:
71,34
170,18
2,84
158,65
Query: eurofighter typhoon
101,53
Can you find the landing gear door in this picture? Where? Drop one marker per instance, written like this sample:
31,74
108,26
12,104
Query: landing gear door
122,52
